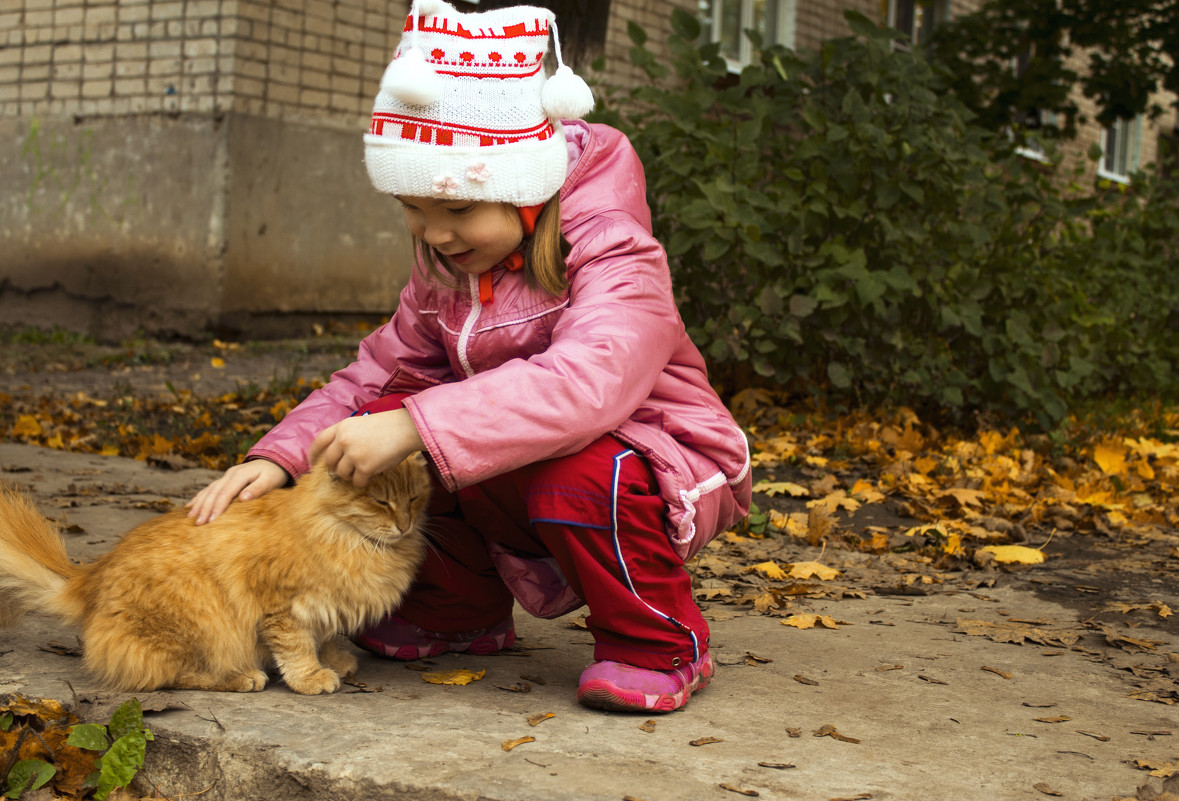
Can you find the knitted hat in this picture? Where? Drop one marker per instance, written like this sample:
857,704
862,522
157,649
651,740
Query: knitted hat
465,110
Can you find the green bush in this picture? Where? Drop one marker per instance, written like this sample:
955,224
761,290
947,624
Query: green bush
837,224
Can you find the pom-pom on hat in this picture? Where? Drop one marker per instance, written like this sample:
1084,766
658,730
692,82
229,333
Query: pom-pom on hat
465,110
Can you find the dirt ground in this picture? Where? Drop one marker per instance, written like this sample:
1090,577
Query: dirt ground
163,368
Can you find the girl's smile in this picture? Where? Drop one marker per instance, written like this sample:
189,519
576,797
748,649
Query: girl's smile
474,236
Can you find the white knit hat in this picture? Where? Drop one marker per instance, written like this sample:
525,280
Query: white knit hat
465,110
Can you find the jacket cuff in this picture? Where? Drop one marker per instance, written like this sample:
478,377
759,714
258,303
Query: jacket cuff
432,448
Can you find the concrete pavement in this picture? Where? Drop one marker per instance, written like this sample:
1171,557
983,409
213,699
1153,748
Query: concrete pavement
921,711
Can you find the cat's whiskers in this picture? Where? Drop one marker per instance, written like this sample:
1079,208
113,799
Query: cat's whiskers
428,534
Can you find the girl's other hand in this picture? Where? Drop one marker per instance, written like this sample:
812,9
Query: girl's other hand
241,482
358,448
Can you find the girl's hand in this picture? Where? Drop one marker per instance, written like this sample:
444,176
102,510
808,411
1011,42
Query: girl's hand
243,482
358,448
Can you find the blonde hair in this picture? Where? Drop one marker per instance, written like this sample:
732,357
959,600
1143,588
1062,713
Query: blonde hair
544,253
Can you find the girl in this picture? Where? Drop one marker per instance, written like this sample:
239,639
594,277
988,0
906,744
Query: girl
538,359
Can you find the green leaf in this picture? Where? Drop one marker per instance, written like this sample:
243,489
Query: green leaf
769,301
6,721
864,26
715,248
837,133
685,25
90,736
121,763
839,374
636,33
127,719
31,774
803,305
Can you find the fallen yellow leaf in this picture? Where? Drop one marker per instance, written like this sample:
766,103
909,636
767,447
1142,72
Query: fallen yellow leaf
27,426
508,745
965,497
865,492
217,362
1017,554
541,717
925,464
1110,457
461,676
827,730
770,570
806,570
810,621
839,499
773,488
1163,770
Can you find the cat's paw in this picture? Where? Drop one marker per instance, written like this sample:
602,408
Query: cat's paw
250,682
342,662
319,681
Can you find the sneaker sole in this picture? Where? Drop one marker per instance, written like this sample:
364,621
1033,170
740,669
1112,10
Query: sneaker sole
603,694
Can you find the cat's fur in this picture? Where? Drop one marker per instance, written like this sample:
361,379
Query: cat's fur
208,607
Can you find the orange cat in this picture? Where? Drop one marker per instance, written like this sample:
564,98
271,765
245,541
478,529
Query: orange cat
205,608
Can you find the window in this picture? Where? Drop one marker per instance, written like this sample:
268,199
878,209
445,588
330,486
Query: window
917,18
1120,144
726,21
1033,121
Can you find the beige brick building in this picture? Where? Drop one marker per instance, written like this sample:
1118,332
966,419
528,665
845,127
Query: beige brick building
194,165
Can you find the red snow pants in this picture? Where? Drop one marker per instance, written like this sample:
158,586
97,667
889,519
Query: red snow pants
598,513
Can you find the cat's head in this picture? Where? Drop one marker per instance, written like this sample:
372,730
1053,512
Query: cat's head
391,507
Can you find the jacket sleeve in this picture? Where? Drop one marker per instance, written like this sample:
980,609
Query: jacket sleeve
607,351
404,354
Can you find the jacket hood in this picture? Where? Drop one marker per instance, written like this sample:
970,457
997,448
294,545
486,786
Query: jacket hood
605,176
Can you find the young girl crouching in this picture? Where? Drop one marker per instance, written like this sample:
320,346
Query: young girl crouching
538,359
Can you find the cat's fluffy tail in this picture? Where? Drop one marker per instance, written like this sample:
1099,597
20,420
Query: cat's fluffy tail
35,569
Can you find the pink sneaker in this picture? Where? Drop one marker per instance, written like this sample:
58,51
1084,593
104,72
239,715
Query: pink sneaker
625,688
397,638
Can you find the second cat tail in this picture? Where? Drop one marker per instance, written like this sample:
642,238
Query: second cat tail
35,570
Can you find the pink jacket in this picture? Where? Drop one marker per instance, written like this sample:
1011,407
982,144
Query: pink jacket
531,376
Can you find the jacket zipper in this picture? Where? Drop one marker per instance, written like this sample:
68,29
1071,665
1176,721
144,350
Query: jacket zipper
469,326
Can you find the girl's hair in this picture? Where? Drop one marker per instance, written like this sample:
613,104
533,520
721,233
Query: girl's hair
544,253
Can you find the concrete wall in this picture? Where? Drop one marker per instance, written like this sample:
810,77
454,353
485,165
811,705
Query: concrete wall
184,166
109,225
305,233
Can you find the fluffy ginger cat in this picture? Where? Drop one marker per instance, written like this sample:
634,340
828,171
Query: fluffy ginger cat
205,608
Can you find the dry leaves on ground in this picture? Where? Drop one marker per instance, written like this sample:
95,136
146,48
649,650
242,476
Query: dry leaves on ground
458,676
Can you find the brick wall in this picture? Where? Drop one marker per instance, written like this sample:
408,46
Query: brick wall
311,61
816,22
304,60
654,16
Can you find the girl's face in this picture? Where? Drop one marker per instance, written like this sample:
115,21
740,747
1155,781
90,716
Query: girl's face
474,235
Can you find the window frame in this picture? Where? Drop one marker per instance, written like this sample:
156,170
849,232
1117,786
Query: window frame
1032,148
941,13
1128,151
783,12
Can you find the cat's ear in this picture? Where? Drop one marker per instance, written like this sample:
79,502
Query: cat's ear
417,458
